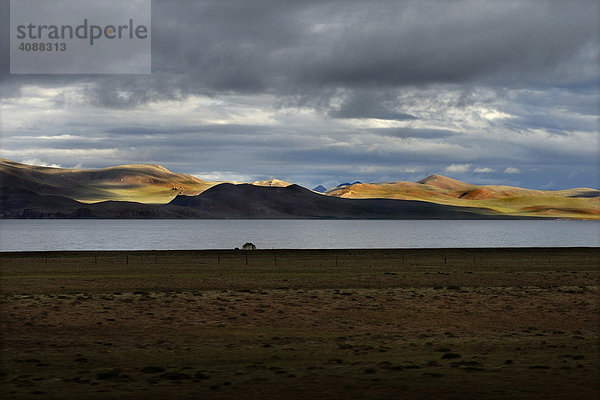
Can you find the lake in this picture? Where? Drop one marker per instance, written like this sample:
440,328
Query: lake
32,235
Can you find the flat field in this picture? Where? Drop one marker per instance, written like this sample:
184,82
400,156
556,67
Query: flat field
297,324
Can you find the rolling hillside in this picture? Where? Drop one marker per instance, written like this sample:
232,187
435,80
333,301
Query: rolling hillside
138,183
146,191
580,203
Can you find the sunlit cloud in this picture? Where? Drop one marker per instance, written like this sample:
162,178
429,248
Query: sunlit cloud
512,170
458,168
483,170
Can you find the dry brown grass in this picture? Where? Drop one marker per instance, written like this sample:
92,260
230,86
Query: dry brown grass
446,323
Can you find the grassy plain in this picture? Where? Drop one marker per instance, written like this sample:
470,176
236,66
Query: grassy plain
297,324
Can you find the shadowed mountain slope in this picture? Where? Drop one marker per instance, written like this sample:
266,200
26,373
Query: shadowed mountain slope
21,203
248,201
231,201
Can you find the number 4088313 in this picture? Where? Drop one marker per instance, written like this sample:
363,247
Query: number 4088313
35,46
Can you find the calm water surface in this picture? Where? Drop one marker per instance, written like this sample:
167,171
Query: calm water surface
22,235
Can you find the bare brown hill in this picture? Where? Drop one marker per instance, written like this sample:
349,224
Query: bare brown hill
139,183
579,203
444,182
128,185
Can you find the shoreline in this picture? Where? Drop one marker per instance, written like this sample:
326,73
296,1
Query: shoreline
324,250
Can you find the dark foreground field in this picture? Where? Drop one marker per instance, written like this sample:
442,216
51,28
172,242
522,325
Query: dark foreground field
364,324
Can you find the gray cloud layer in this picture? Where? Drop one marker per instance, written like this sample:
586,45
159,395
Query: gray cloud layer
292,48
485,83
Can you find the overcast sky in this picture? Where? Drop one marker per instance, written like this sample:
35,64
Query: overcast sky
323,92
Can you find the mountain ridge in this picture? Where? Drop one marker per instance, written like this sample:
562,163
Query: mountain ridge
153,185
578,203
145,183
294,201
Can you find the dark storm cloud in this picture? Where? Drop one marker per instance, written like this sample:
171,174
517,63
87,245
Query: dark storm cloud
285,46
369,103
295,48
